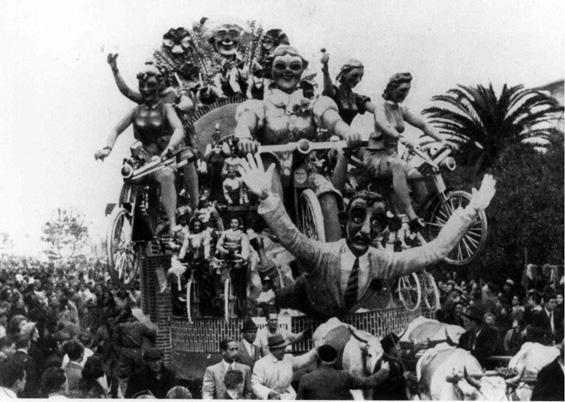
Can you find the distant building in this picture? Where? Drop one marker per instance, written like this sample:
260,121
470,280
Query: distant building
555,90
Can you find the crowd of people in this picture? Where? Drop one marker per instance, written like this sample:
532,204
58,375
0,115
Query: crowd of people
499,319
65,331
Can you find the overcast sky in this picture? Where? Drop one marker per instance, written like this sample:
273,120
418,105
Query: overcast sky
58,99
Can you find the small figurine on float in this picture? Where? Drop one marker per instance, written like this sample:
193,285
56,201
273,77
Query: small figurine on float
233,243
196,246
232,78
256,82
214,155
232,159
233,250
207,211
233,187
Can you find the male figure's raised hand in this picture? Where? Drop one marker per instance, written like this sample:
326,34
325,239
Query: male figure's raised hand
480,199
254,176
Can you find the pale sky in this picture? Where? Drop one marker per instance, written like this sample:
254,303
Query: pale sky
58,99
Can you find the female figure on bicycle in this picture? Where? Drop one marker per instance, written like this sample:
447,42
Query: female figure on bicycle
158,128
181,100
286,115
349,103
381,158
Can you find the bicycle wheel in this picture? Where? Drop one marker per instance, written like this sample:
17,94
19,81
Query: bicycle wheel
430,290
228,300
310,218
474,240
409,291
330,211
189,301
123,257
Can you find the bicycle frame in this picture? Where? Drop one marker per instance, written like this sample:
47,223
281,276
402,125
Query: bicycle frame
442,159
140,196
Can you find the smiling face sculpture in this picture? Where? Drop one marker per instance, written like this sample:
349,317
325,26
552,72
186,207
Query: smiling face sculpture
288,66
226,39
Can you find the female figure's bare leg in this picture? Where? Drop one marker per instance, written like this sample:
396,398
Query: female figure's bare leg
166,178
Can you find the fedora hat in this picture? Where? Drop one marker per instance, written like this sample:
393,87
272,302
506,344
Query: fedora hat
277,341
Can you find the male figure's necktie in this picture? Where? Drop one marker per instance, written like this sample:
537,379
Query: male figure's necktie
350,295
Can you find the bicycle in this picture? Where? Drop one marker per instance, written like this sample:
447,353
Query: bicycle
132,233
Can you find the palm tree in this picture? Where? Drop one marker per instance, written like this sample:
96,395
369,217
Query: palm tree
475,114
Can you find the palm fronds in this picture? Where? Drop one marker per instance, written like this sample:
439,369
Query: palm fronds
467,114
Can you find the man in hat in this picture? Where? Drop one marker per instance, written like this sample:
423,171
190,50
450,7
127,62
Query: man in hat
327,382
153,376
272,375
273,328
213,386
22,358
342,276
247,352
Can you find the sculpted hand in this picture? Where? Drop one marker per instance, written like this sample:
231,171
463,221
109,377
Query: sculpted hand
101,154
166,153
247,146
274,395
408,143
353,139
112,61
254,176
448,145
481,199
325,59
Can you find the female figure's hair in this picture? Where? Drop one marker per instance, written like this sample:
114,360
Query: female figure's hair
394,82
283,50
347,67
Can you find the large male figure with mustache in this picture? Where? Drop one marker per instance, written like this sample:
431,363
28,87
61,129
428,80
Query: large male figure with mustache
338,276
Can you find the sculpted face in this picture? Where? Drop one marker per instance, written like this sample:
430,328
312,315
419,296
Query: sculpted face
149,88
286,72
234,224
196,227
364,224
177,41
268,43
226,40
400,93
353,77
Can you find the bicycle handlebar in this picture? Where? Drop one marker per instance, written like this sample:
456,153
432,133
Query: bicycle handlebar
305,147
178,159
